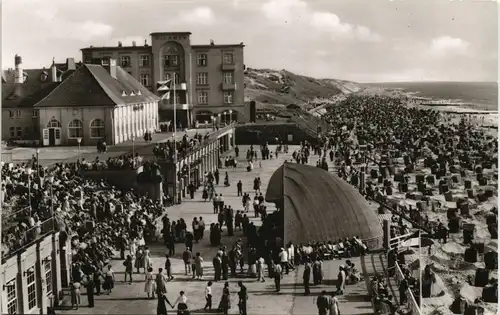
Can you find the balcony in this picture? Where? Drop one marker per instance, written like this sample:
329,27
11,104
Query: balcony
228,86
228,67
181,86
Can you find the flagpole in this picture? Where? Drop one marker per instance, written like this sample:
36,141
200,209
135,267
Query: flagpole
420,266
175,120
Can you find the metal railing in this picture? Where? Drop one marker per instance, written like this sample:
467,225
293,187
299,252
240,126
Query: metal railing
29,237
212,137
395,242
411,303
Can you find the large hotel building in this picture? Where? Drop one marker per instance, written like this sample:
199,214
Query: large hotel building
209,79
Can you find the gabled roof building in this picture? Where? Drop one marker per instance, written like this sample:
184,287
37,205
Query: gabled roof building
71,105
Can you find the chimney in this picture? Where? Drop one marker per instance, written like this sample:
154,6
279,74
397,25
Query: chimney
53,71
18,73
119,44
111,67
212,42
70,64
145,43
133,43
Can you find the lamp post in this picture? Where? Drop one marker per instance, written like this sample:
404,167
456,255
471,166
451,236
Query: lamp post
79,140
28,171
133,147
230,115
37,162
224,117
213,122
218,119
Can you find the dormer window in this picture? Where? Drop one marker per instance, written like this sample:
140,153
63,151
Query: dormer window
139,92
132,93
124,93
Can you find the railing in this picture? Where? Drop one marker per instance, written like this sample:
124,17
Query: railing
396,241
31,236
411,303
213,136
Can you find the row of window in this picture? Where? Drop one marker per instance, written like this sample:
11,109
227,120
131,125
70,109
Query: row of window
203,97
171,60
32,289
18,114
201,78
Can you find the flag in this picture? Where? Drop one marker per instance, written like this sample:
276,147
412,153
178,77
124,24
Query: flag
165,96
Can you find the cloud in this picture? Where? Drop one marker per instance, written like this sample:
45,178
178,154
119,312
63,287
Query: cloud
286,12
445,45
199,15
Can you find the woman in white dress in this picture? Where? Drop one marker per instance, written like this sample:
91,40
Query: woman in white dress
133,247
150,284
147,258
334,305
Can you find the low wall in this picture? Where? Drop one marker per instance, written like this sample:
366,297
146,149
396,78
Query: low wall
121,179
289,133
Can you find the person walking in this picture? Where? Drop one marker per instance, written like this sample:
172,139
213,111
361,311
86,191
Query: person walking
333,305
243,297
323,303
129,268
198,265
278,275
89,285
75,295
306,277
208,297
149,284
161,308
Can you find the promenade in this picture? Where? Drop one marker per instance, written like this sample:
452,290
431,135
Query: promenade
131,299
52,155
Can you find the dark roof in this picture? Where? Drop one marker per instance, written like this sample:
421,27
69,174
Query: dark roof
218,46
170,33
138,47
30,92
92,85
320,206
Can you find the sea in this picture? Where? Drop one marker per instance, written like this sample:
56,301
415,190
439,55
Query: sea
474,95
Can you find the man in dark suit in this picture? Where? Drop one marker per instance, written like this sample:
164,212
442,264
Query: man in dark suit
243,297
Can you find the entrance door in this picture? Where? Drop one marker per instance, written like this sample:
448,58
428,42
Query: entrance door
52,137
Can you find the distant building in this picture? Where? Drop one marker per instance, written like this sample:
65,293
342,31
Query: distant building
87,103
209,78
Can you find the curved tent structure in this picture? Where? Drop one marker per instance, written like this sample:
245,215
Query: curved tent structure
320,206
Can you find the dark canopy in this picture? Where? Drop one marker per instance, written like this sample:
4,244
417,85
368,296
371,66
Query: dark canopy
320,206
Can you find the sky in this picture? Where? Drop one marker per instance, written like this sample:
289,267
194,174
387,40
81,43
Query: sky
357,40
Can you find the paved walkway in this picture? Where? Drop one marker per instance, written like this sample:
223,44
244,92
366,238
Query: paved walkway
131,299
52,155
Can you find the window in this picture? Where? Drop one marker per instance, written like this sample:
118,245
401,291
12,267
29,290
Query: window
228,78
105,61
53,123
97,128
11,114
125,61
75,129
227,58
168,76
35,113
31,284
11,297
202,78
12,132
171,60
228,97
202,60
145,79
18,113
144,61
19,132
202,97
48,276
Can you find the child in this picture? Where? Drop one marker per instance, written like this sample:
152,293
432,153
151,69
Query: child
208,296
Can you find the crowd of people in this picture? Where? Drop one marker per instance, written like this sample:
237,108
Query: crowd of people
165,150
